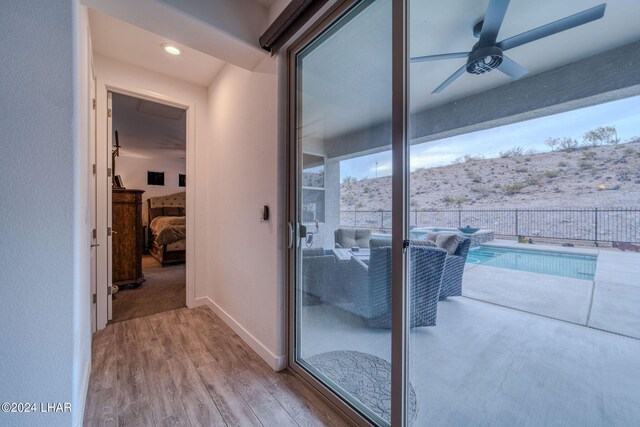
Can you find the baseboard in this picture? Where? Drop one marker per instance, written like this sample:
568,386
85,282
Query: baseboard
276,362
82,397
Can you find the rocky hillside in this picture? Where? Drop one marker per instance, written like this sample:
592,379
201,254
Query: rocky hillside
604,176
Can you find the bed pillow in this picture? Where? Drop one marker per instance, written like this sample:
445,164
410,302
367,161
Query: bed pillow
448,241
156,212
173,211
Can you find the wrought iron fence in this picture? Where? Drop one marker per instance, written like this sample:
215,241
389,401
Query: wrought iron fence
595,224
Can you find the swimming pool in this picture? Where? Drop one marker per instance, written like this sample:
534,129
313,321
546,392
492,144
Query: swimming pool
557,264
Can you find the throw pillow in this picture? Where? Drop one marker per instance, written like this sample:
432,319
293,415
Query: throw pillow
449,242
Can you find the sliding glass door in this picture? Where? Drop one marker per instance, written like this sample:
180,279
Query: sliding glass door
342,141
464,239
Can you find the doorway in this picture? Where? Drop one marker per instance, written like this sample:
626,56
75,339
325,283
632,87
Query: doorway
142,189
148,206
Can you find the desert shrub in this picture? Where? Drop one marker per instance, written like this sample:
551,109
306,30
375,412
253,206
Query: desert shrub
629,151
564,143
600,136
349,199
551,173
588,155
497,185
455,200
512,152
349,180
533,180
521,170
584,164
482,189
562,164
514,187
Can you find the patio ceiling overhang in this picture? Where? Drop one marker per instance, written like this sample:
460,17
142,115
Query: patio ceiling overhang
600,78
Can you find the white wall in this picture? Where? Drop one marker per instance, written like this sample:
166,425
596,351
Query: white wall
133,171
245,255
124,74
44,303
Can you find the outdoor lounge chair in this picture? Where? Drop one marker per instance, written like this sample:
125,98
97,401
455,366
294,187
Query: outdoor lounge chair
318,275
371,285
453,269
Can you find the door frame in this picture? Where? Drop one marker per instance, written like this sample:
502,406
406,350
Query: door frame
103,153
400,222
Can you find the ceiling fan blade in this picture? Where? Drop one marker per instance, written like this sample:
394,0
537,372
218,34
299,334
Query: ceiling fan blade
492,22
450,80
439,57
512,68
558,26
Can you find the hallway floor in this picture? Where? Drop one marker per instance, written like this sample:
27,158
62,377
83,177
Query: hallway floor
187,367
164,289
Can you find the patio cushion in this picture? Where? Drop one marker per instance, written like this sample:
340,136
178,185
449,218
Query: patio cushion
448,241
351,237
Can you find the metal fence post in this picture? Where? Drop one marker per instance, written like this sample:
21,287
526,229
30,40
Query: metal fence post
381,220
517,233
595,211
355,222
459,217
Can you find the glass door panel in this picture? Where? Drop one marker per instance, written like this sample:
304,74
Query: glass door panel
343,198
512,220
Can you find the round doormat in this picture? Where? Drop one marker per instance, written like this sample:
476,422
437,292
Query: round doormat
364,376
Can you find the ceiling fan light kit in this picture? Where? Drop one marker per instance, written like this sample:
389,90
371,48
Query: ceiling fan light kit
488,54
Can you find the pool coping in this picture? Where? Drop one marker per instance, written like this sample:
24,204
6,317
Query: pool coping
508,244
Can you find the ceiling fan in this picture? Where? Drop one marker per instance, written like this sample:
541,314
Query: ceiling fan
487,55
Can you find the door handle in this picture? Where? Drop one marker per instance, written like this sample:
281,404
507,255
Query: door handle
290,244
93,245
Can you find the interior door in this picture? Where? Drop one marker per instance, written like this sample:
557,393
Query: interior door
92,200
109,205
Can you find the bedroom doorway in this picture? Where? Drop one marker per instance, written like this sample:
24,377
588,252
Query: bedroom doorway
146,206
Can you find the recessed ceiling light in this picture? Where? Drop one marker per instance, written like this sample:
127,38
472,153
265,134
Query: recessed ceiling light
171,50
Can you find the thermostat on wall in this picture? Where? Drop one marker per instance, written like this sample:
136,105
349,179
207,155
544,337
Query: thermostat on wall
264,213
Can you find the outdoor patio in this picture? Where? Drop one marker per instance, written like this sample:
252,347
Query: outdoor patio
504,365
517,348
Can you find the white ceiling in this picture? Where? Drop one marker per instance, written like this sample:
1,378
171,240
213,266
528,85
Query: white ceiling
346,80
149,129
117,39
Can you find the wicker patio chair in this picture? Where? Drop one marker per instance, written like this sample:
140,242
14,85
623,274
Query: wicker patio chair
372,296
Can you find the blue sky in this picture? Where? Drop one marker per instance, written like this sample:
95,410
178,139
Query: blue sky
624,114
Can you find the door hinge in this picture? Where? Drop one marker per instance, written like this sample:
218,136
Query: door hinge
108,112
109,232
405,245
94,234
109,290
108,171
95,169
95,298
94,103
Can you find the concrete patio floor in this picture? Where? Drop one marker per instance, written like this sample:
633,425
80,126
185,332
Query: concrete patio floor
610,302
484,364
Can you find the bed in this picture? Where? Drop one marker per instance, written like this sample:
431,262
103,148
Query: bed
167,228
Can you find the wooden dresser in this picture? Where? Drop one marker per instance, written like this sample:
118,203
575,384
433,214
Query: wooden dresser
127,237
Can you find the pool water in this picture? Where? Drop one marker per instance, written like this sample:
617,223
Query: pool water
557,264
